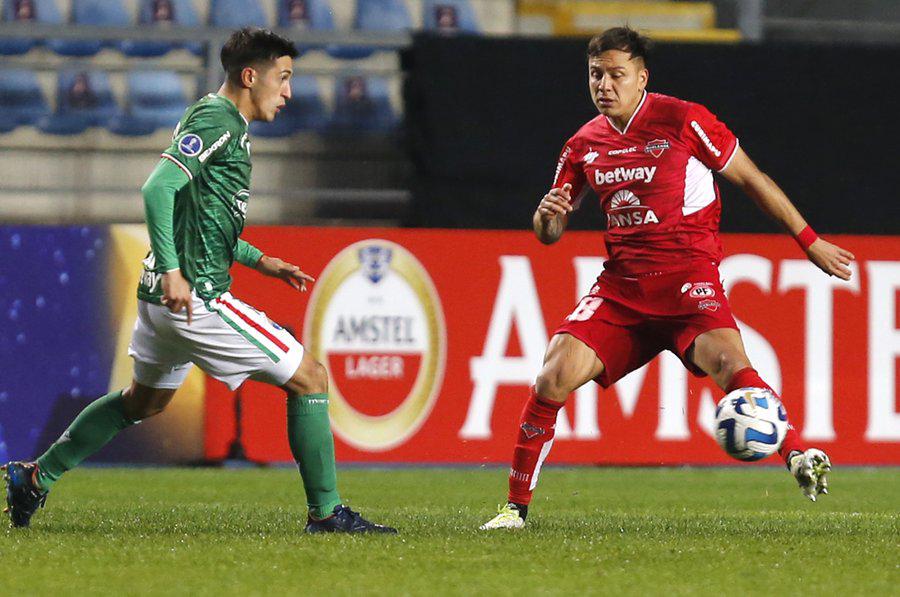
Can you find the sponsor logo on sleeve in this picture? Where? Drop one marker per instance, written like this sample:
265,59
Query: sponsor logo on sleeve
703,137
190,145
219,142
562,160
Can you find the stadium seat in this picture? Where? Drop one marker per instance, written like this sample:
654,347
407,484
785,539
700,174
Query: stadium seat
233,14
22,101
304,112
449,17
155,99
25,11
109,13
374,15
305,15
84,99
161,13
362,104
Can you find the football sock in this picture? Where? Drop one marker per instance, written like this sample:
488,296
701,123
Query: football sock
537,427
309,435
749,378
92,429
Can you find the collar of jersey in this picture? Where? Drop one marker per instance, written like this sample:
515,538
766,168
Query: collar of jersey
630,120
246,122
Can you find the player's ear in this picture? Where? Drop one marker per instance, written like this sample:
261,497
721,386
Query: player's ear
248,76
643,77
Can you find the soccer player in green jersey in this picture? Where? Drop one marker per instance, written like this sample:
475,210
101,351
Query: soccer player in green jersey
195,203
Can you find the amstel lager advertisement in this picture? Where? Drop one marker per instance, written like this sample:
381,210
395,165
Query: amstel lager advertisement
375,321
432,337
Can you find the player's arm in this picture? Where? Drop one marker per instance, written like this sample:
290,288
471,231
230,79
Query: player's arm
247,254
159,205
552,214
830,258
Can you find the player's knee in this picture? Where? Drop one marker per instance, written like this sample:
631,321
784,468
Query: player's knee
727,364
550,383
311,378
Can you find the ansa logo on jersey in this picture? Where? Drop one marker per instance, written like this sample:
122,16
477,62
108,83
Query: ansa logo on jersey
375,321
625,209
621,174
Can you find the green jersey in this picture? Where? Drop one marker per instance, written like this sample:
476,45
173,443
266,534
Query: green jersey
211,146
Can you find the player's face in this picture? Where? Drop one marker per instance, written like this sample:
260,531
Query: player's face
616,82
271,88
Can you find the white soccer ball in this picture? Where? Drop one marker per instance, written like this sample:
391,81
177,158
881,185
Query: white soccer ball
750,423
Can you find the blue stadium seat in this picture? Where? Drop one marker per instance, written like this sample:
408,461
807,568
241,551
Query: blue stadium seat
362,104
161,13
155,99
304,112
84,99
25,11
449,17
374,15
22,101
109,13
305,15
237,13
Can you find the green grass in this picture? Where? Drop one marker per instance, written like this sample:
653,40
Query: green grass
611,531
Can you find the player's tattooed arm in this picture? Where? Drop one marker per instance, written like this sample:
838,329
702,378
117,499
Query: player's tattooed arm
830,258
552,214
290,273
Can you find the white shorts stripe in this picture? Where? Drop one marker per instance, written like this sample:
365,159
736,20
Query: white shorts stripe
269,338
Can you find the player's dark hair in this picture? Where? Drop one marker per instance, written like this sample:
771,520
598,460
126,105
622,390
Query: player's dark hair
621,38
250,46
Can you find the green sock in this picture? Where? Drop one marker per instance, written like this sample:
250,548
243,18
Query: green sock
309,434
92,429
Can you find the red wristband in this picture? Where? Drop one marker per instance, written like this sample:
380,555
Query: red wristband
806,237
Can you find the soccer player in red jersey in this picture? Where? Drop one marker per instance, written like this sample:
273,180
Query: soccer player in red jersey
650,158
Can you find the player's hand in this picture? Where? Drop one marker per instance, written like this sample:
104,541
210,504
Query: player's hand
830,258
557,202
177,293
277,268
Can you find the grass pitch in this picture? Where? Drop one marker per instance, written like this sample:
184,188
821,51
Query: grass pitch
610,531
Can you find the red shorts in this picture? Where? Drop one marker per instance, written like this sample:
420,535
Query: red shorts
629,320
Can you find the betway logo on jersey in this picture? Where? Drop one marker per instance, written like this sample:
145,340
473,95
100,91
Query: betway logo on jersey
703,137
621,174
625,209
375,321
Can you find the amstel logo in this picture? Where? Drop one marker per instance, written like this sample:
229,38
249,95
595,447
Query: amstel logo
375,322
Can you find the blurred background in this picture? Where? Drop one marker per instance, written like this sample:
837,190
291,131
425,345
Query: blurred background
411,114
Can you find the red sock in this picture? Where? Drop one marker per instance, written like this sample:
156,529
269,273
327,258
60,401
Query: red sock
749,378
537,427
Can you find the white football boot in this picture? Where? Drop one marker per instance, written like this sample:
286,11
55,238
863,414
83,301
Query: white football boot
810,468
509,516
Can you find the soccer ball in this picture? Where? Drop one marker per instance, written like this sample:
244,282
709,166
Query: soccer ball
750,423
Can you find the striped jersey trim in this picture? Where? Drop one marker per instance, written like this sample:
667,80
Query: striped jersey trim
177,163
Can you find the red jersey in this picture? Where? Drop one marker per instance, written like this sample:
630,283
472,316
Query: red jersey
655,183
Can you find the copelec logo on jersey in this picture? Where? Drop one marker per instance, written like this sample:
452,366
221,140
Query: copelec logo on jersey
190,145
375,321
